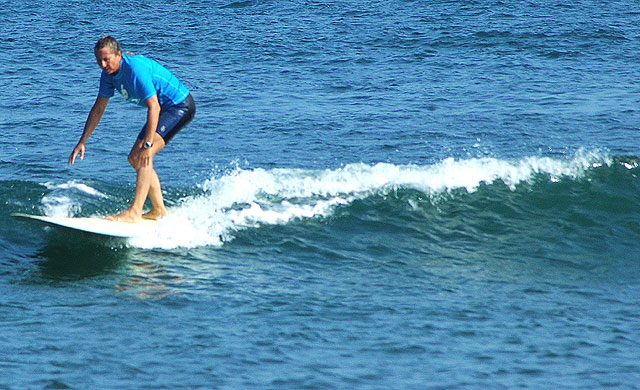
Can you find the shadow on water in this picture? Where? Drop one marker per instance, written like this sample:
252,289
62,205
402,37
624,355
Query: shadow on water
73,256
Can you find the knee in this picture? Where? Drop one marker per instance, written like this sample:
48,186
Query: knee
133,161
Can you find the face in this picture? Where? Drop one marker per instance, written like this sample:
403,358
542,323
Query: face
108,60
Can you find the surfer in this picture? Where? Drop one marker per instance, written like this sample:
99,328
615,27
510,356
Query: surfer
170,107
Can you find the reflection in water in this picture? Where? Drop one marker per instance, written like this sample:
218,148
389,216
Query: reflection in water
71,256
147,280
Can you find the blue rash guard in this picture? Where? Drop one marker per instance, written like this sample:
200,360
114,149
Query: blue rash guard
139,78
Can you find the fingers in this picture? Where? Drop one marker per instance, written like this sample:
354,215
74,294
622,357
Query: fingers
140,158
79,149
145,159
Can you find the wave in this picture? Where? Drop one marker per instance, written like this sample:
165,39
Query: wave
251,198
467,200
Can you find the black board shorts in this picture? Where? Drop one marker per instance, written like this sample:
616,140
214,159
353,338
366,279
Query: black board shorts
173,119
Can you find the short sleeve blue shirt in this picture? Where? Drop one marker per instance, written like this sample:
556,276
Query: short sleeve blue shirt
139,78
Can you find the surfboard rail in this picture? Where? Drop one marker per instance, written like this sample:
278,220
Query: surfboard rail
94,225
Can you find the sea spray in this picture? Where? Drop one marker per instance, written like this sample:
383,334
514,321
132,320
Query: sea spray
249,198
62,199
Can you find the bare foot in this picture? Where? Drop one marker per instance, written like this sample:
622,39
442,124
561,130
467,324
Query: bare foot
125,216
155,214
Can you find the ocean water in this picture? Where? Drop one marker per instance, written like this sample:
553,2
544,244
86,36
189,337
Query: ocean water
373,195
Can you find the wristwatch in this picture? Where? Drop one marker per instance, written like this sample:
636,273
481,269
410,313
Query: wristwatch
147,145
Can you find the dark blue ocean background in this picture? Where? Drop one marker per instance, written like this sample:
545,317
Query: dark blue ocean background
373,195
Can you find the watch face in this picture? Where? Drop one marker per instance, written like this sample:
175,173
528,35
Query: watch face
147,145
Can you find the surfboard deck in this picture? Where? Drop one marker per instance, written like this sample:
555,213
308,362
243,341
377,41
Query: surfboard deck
99,226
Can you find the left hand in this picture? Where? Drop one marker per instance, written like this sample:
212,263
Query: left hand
144,158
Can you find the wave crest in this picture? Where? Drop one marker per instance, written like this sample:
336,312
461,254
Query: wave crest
250,198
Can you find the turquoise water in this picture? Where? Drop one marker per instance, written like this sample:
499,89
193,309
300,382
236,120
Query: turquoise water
373,195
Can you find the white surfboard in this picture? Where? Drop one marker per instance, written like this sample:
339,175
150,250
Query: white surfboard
98,226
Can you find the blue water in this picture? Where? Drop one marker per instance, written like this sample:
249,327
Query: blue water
373,195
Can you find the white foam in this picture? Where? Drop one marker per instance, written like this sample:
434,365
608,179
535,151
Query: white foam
61,201
74,185
248,198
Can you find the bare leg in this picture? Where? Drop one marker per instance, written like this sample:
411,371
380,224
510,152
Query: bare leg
157,202
147,184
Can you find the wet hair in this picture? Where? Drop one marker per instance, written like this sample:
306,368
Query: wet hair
107,41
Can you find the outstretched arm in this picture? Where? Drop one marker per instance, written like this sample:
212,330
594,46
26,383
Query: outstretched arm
92,122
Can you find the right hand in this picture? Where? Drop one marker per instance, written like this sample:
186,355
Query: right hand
79,149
